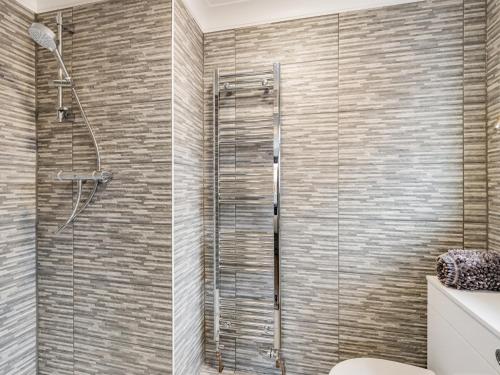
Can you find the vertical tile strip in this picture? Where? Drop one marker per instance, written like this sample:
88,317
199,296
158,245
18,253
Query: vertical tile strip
474,117
493,111
18,350
188,193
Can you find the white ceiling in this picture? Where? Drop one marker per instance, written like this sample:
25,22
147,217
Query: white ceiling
30,4
215,15
40,6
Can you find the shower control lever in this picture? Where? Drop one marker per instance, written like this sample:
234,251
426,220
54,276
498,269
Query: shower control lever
101,176
98,177
64,83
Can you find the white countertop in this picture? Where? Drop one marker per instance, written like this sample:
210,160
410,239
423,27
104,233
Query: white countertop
484,306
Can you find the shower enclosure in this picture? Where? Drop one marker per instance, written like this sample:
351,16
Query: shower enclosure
46,38
246,211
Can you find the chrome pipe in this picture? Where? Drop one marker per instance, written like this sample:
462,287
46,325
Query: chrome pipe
276,211
60,61
89,199
239,87
246,74
60,107
89,128
75,209
69,81
216,249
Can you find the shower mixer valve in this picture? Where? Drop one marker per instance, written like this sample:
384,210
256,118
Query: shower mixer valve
98,177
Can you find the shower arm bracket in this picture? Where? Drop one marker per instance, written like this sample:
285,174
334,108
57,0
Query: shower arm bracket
69,27
101,177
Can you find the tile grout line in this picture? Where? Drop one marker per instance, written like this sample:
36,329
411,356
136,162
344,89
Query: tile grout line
172,150
37,157
463,124
485,76
338,187
72,224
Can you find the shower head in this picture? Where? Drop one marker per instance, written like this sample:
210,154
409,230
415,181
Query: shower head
43,36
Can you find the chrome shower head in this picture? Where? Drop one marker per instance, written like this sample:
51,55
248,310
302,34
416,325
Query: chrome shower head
43,36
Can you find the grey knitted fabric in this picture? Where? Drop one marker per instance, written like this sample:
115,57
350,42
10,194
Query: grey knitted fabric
469,269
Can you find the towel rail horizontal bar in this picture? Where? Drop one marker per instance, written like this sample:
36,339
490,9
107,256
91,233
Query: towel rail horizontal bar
237,87
246,74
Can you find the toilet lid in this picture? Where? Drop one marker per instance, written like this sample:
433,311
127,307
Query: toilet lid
372,366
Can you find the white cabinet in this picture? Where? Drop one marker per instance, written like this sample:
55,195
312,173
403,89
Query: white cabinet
463,331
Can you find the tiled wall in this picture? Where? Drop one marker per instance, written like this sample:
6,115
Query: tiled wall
105,301
475,123
384,168
493,79
17,192
406,166
188,193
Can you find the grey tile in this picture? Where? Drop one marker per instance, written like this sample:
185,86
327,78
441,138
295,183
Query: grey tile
55,353
17,192
419,78
310,88
284,42
395,248
475,235
17,60
219,51
393,323
493,111
128,313
188,314
475,192
309,188
123,252
122,55
310,139
402,28
96,356
18,322
136,133
309,270
300,337
401,135
396,192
